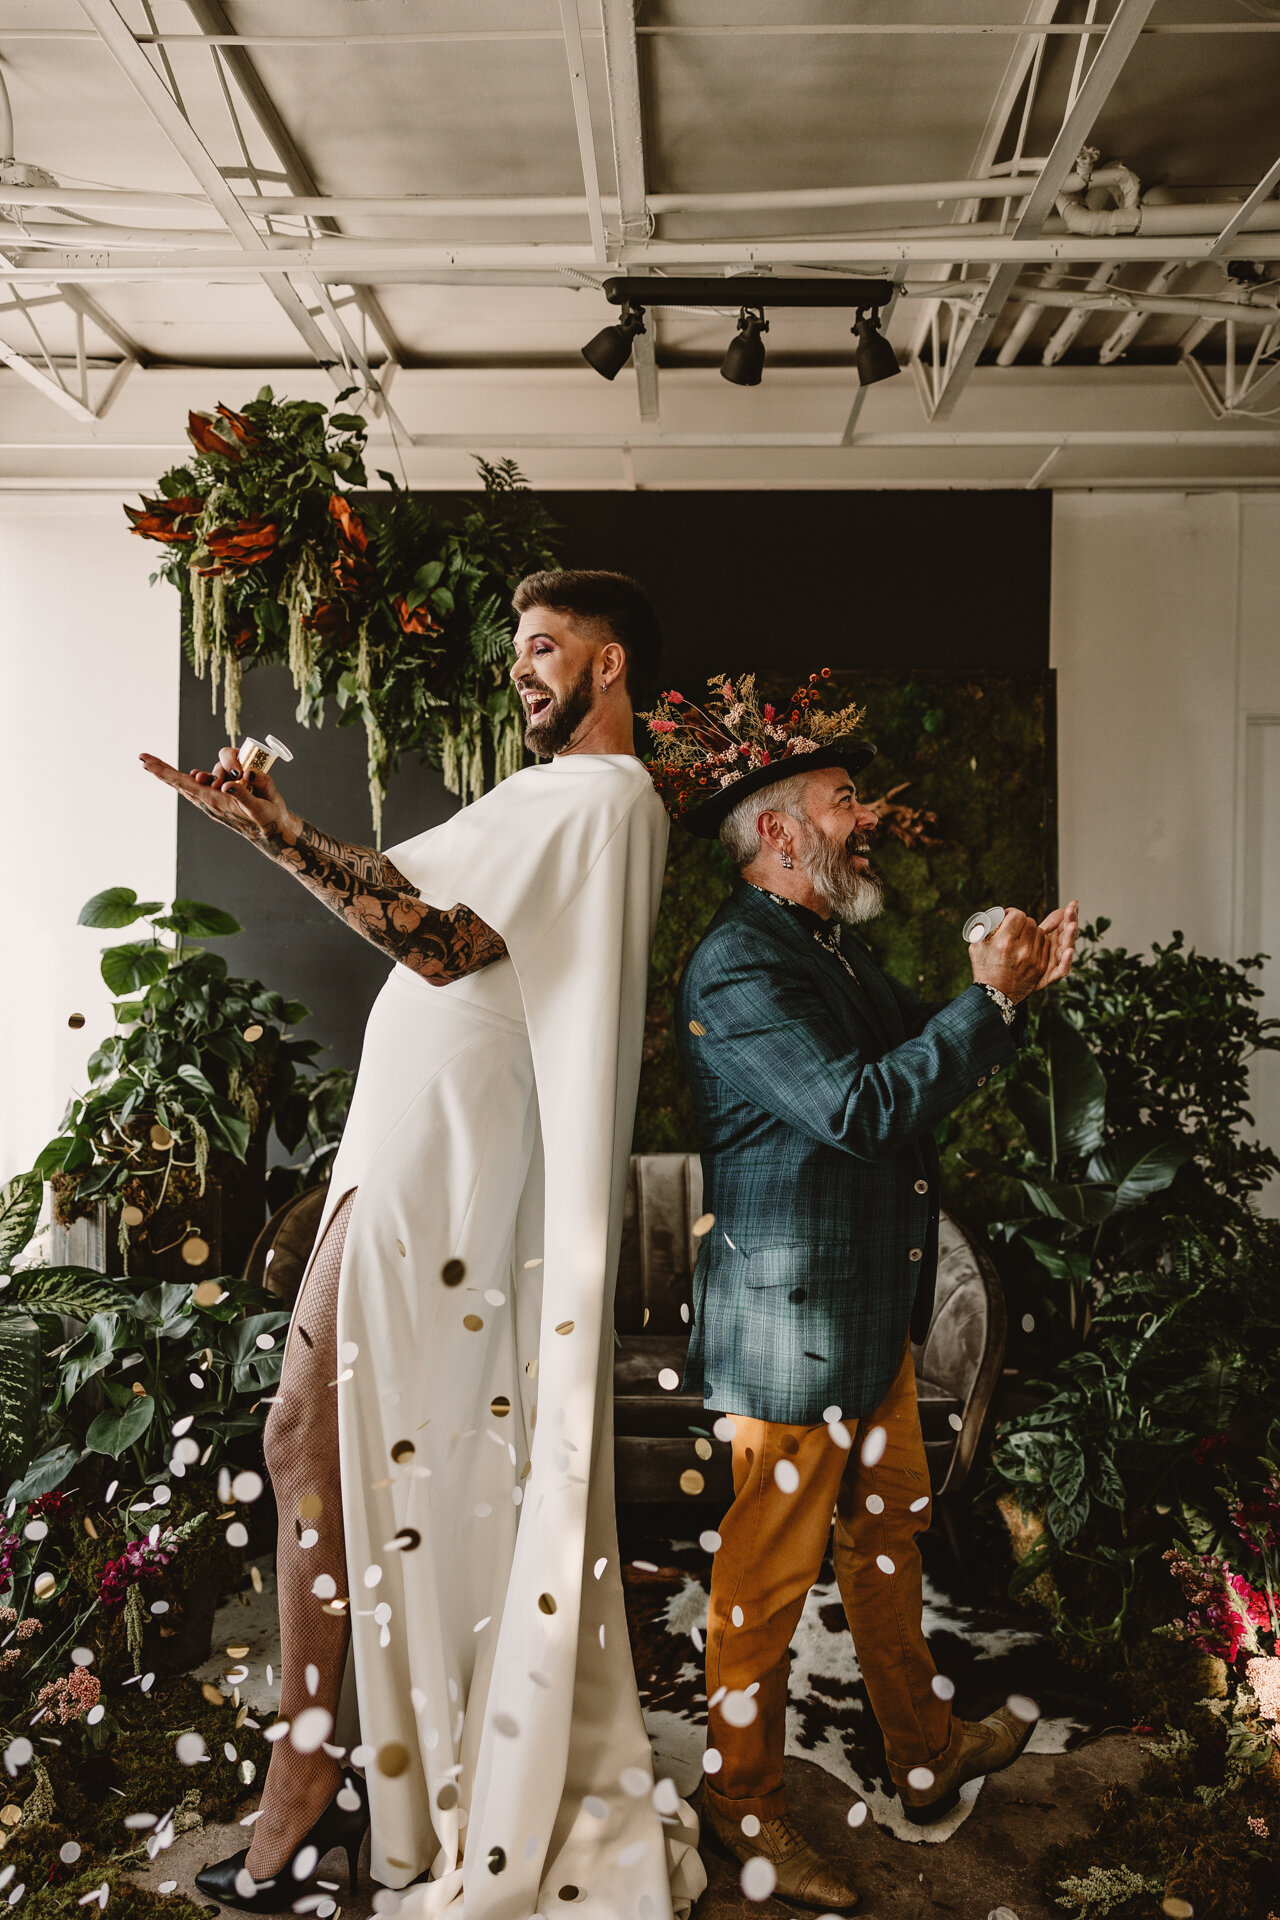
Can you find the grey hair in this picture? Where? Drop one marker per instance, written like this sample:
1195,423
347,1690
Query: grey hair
739,834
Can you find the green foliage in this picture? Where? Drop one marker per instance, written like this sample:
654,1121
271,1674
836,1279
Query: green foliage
21,1380
178,1061
311,1120
19,1210
697,879
1115,1455
395,610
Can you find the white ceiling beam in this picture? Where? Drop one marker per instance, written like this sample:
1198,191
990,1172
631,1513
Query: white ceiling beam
1117,43
887,29
571,27
45,383
622,73
1241,217
119,41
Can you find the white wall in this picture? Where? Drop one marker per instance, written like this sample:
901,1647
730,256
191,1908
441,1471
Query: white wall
88,677
1166,638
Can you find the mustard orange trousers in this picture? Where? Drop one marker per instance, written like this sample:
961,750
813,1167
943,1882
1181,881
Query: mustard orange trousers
772,1545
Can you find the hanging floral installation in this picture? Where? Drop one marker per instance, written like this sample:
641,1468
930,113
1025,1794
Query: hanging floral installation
394,612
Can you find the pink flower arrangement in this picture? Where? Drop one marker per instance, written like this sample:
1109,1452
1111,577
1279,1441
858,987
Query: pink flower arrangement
72,1697
1225,1614
139,1561
1263,1675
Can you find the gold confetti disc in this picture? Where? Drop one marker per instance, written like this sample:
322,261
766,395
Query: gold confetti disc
89,1528
212,1695
453,1273
497,1859
402,1249
207,1294
253,1033
161,1138
11,1814
703,1224
691,1481
44,1586
139,1391
132,1216
696,1026
195,1251
75,1020
472,1322
310,1507
237,1653
566,1326
500,1406
547,1602
403,1450
407,1540
255,1578
1173,1905
703,1449
530,1264
447,1798
393,1759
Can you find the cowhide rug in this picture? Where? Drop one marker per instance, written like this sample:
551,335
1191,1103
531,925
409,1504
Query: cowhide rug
829,1718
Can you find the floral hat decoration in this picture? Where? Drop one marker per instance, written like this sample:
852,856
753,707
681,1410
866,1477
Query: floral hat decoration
706,759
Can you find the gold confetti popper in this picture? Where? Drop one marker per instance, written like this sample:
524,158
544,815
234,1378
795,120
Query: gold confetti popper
259,756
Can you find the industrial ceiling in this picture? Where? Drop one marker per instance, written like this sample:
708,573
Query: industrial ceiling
1074,199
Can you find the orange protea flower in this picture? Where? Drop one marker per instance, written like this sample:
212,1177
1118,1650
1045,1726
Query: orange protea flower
327,617
166,520
352,572
200,432
417,620
237,548
350,526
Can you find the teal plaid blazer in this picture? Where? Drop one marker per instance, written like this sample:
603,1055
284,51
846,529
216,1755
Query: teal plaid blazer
815,1095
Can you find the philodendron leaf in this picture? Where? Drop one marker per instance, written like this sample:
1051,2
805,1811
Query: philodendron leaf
19,1211
1138,1165
195,918
1082,1205
140,963
21,1380
47,1471
116,907
1077,1087
112,1432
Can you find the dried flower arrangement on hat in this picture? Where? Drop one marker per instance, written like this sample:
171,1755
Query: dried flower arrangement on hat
698,750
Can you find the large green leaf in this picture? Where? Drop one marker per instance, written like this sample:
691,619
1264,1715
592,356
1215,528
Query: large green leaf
47,1471
79,1292
1081,1204
19,1210
112,1432
139,963
1077,1087
1138,1165
116,907
21,1381
96,1348
194,917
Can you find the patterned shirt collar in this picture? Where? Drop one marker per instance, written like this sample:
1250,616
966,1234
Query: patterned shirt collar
826,930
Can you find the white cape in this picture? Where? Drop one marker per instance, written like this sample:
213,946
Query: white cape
491,1125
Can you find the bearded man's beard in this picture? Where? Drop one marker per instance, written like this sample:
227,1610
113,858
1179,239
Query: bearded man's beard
557,724
846,892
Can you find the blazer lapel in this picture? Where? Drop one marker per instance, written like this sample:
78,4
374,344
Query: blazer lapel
887,1015
866,993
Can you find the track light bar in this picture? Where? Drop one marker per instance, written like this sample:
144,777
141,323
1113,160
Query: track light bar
753,290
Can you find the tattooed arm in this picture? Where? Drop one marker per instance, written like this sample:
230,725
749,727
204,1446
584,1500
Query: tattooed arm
374,899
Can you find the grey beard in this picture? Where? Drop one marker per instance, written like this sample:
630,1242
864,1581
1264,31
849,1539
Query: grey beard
847,894
555,730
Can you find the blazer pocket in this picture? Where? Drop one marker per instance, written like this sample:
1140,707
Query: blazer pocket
799,1263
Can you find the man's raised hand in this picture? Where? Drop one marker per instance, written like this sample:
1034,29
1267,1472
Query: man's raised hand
1062,926
251,807
1015,958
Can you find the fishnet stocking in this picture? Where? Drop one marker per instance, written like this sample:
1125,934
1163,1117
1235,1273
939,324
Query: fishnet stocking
301,1446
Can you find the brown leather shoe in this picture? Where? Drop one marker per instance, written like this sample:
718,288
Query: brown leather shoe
804,1877
986,1746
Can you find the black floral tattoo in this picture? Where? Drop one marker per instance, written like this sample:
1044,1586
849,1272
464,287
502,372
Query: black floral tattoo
439,944
368,865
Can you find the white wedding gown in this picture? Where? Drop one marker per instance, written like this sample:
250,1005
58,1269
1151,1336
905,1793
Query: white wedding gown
488,1141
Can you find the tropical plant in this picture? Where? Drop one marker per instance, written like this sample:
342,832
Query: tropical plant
394,611
1088,1185
311,1119
197,1063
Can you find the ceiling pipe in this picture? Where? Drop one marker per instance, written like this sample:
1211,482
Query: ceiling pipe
6,121
1121,181
1121,337
1072,321
1025,323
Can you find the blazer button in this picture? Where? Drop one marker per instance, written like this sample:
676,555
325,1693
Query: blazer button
922,1186
982,1079
797,1296
916,1253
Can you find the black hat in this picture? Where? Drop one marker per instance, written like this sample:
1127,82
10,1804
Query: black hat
705,816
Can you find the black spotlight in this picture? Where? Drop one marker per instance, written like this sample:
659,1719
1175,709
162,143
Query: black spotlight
875,359
743,362
610,350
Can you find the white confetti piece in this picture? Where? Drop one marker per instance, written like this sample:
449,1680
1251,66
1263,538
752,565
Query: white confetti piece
265,1341
737,1616
305,1862
35,1530
954,1421
666,1799
874,1503
668,1379
724,1428
885,1564
311,1676
347,1353
237,1534
595,1806
635,1782
308,1538
82,1656
600,1566
857,1813
758,1878
182,1426
190,1749
311,1727
943,1688
830,1414
382,1614
632,1856
786,1476
247,1486
840,1435
921,1778
324,1586
712,1760
738,1708
161,1496
69,1851
710,1541
495,1298
873,1447
373,1576
918,1506
1022,1708
750,1824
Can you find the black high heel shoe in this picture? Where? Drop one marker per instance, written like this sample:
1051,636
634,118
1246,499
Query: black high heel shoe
340,1825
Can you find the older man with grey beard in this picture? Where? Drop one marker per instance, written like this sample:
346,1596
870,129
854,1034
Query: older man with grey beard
817,1080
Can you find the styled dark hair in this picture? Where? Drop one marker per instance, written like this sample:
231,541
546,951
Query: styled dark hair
615,601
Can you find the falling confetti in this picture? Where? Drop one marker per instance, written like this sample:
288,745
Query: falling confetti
712,1760
691,1481
873,1447
1022,1708
635,1782
237,1534
393,1760
473,1323
446,1799
500,1406
75,1020
710,1541
530,1264
44,1586
453,1272
133,1217
247,1486
195,1251
403,1450
738,1709
750,1824
406,1541
921,1778
495,1298
373,1576
546,1603
497,1860
786,1476
503,1723
724,1428
668,1379
703,1224
1175,1908
758,1878
253,1033
566,1326
190,1749
310,1729
943,1688
207,1294
918,1506
600,1566
857,1813
737,1616
955,1422
885,1564
310,1507
874,1503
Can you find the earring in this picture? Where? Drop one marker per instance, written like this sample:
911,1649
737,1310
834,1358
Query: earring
786,860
